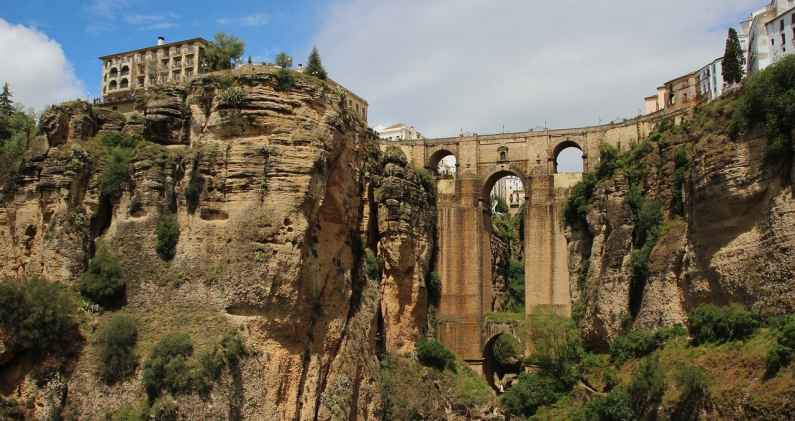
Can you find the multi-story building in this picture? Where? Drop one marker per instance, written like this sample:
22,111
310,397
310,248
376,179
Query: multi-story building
680,92
127,72
781,33
400,131
761,35
710,80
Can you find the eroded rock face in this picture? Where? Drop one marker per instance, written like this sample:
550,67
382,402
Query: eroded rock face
406,230
736,242
269,195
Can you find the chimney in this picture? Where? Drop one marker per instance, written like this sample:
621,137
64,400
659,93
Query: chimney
161,40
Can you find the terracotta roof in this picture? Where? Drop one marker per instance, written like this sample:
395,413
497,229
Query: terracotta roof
170,44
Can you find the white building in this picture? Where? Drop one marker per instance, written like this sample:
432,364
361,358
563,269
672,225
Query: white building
511,190
710,80
781,33
760,34
400,131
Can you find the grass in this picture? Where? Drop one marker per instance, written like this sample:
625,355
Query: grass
504,317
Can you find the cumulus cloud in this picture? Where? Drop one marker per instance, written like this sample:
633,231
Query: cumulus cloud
35,67
481,65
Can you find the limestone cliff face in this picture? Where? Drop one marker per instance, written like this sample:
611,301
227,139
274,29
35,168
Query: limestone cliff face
269,191
734,243
406,226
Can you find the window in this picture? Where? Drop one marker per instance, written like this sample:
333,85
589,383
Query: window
188,72
140,81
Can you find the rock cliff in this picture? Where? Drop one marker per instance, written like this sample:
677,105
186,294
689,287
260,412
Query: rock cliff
726,236
277,195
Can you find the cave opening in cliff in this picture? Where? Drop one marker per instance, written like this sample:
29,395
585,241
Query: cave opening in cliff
507,210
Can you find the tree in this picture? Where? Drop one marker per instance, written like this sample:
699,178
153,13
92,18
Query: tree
6,104
314,66
224,52
733,59
283,60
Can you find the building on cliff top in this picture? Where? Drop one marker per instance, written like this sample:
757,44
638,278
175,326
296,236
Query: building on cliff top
400,131
127,73
768,34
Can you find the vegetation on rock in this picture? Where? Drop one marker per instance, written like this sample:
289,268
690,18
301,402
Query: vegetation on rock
224,52
782,351
117,348
314,66
167,237
641,342
431,353
733,59
37,315
711,323
283,60
103,282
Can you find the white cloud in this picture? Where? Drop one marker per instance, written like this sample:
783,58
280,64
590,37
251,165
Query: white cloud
147,22
257,19
35,67
476,65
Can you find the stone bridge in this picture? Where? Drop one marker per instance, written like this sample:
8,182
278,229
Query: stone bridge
464,217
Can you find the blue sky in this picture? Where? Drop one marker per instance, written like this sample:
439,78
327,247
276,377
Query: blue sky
444,66
89,29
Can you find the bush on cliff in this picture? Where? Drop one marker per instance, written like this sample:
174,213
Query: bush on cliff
710,323
782,351
115,171
434,286
431,353
693,391
103,283
507,351
373,265
37,315
530,392
768,101
641,342
167,366
284,80
557,347
117,348
167,237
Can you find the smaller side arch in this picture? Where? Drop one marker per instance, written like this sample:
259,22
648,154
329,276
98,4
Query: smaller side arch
436,157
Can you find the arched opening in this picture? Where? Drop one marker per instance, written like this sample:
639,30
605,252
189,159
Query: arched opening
124,84
569,158
114,72
505,194
112,86
125,70
502,361
443,164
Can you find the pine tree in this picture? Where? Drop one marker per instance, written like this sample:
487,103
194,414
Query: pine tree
314,67
284,61
6,104
733,59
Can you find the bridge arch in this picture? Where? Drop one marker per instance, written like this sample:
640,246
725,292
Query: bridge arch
496,369
563,145
496,175
436,158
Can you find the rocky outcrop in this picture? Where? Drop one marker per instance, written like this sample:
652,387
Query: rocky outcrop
269,192
734,242
406,229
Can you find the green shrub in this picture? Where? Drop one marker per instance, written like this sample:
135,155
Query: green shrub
232,97
115,171
767,100
37,315
117,348
120,140
608,161
530,392
434,287
577,206
781,353
194,190
426,181
167,368
167,237
710,323
693,390
103,283
641,342
507,351
682,163
557,347
616,406
431,353
647,386
515,278
373,265
284,80
130,413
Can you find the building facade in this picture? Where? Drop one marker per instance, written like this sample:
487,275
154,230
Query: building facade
766,35
126,72
781,33
710,80
354,102
400,131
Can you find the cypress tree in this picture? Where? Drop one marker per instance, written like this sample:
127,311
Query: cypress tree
733,59
6,104
314,67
